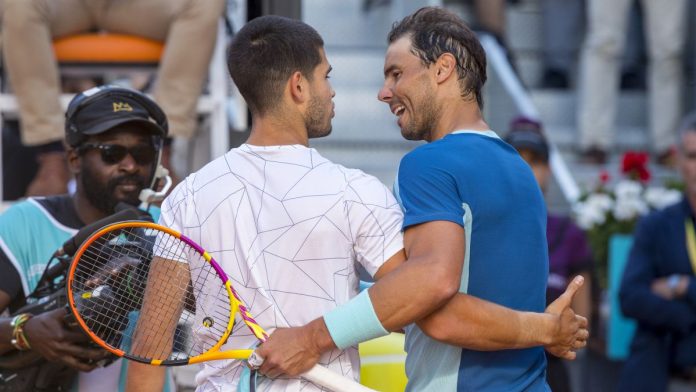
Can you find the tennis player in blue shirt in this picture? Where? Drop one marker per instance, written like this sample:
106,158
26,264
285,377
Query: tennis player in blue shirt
467,181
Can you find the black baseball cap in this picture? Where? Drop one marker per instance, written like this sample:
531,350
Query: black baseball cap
527,134
102,108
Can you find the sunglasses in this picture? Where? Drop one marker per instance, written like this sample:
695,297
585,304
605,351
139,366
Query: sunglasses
112,154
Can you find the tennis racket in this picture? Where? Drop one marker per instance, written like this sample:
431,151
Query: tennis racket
138,289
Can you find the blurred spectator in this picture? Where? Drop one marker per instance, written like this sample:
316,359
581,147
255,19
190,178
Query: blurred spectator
659,286
189,28
562,31
634,56
665,25
491,17
569,250
21,159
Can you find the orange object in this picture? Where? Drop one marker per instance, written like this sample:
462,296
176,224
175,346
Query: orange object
107,48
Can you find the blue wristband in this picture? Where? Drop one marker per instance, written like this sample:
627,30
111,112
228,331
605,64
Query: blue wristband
354,322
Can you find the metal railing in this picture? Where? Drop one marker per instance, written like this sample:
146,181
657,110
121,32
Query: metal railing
499,62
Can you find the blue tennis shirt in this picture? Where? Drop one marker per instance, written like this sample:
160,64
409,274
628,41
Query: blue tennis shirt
478,181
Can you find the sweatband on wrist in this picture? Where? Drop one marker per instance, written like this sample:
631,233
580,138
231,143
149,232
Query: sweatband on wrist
354,322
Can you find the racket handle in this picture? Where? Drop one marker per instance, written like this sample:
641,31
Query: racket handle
333,381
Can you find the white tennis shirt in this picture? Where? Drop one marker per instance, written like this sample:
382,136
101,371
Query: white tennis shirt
289,228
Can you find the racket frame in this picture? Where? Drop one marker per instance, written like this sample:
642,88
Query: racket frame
211,354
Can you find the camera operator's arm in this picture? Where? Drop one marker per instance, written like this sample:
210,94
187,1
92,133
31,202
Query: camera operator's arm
48,335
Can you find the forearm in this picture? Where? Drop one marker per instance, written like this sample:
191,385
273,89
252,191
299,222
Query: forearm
475,324
12,333
405,296
391,311
429,278
145,378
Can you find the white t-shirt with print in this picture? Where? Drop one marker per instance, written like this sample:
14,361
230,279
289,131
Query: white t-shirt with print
289,228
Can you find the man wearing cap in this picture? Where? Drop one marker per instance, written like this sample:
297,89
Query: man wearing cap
113,142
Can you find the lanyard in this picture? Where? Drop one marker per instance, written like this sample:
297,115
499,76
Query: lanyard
691,242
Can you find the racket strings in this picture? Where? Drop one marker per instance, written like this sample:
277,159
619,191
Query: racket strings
103,302
184,291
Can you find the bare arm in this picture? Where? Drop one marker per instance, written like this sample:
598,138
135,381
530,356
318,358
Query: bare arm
390,265
430,277
434,249
142,377
473,323
165,276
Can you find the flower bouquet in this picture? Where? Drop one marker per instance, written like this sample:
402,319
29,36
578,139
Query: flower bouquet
615,208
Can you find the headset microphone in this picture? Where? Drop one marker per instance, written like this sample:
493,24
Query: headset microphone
151,195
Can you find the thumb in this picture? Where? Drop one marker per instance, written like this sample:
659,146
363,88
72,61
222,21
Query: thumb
572,289
566,298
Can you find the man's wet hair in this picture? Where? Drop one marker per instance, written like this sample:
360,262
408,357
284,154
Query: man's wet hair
435,31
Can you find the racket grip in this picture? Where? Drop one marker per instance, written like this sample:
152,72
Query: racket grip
333,381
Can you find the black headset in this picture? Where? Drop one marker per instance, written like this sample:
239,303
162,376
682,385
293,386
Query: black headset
72,134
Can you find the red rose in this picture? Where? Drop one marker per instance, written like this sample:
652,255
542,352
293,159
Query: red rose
635,165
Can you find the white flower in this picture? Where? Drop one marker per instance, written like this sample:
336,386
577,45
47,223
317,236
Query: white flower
587,217
628,208
628,201
593,211
628,189
600,201
658,197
